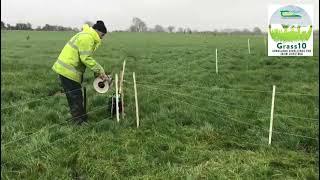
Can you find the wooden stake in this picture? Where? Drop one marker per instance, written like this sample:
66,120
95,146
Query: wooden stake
122,89
216,60
271,116
136,98
249,46
117,98
122,75
112,102
121,93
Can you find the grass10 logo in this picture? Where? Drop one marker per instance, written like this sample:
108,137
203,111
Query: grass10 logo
290,30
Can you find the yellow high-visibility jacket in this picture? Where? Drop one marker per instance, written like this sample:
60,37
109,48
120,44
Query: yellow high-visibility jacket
76,55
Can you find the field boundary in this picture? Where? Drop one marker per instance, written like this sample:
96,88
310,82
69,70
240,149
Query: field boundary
229,117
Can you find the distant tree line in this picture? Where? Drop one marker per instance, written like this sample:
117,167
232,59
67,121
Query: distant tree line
28,26
139,25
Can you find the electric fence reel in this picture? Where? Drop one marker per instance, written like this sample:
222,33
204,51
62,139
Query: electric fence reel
102,86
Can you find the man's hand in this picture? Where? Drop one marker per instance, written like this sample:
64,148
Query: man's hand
104,77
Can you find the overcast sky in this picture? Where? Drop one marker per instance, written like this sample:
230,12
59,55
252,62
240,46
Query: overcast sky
117,14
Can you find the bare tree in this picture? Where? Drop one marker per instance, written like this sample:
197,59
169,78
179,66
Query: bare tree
158,28
170,29
9,26
23,26
133,28
138,25
3,26
257,30
187,30
29,26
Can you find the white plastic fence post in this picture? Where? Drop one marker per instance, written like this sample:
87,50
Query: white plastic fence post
216,60
122,88
136,98
271,116
122,76
117,98
249,46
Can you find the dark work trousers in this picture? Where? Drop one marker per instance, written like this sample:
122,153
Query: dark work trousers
75,99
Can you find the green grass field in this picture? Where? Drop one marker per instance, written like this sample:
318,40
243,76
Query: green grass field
195,124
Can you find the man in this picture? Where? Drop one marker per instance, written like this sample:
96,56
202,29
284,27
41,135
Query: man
72,62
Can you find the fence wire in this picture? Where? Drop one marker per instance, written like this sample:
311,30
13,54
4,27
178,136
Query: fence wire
235,120
229,89
225,104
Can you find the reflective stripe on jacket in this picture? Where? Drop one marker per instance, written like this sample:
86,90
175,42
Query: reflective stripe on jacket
76,55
